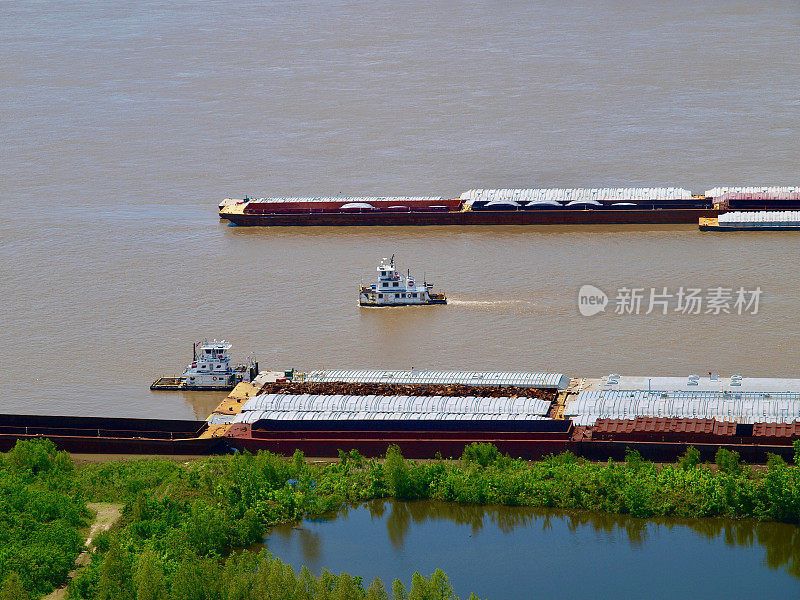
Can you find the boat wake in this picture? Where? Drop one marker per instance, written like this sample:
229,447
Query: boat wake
487,302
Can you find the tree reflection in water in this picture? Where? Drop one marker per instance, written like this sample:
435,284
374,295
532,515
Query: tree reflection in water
781,542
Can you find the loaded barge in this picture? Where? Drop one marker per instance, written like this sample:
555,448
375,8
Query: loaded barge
556,206
430,413
784,220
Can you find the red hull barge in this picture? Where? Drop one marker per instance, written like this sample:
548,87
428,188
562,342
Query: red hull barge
666,216
531,445
101,435
422,445
663,442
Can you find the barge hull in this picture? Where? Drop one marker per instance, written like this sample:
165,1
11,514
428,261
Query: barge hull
528,448
704,227
537,217
126,445
670,451
155,436
105,435
531,445
419,446
411,447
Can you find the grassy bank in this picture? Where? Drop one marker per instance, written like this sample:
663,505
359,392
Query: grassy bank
184,523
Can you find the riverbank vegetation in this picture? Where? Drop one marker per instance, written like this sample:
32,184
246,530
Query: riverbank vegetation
40,519
185,526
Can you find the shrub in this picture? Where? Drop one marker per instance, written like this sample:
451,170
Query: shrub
728,461
689,459
481,453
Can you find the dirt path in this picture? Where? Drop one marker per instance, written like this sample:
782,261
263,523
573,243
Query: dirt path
105,515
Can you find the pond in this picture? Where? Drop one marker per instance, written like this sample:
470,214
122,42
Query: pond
501,552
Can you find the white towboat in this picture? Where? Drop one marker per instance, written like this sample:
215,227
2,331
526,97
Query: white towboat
393,289
210,369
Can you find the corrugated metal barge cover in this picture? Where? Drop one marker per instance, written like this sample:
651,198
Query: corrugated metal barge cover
771,217
565,195
276,415
467,406
664,425
768,191
724,428
489,378
742,407
782,430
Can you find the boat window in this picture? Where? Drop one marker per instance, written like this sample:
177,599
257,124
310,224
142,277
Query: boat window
380,295
395,284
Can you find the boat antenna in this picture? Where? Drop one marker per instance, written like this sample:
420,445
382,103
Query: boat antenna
392,263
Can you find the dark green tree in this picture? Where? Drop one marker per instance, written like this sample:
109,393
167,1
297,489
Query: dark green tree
376,591
397,470
482,453
420,588
439,587
728,461
399,590
115,582
148,580
689,459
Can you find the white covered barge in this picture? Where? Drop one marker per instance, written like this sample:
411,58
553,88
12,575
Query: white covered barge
773,220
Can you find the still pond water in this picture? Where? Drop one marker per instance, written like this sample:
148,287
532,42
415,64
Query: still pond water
514,552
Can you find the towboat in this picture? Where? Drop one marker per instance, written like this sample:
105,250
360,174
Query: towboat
394,289
210,370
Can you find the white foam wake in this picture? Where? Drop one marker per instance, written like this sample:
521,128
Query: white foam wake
486,302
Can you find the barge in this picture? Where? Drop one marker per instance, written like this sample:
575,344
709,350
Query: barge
785,220
103,435
438,413
528,415
550,206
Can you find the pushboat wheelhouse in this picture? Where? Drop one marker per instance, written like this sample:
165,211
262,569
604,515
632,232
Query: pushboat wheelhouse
394,289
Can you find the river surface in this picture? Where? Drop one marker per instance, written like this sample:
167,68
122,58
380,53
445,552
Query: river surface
506,553
124,124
